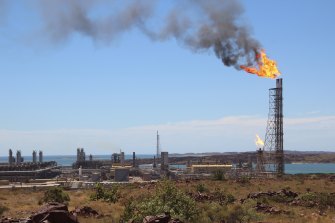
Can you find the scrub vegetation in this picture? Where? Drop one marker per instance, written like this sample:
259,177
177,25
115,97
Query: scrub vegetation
306,198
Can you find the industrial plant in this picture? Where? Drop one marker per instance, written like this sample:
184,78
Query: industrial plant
17,170
86,170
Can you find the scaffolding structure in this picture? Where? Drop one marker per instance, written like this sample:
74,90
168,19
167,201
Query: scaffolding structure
273,147
260,165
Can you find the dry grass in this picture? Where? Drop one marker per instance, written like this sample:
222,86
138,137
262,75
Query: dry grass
21,202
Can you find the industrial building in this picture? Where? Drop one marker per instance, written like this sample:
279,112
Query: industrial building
18,170
81,156
121,174
209,168
164,160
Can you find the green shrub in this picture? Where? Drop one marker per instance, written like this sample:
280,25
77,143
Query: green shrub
55,194
219,175
281,199
129,210
230,199
3,209
201,188
212,212
222,197
287,187
320,200
167,198
244,180
109,195
263,200
238,214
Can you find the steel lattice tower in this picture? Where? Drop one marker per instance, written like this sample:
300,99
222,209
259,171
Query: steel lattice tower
260,165
274,130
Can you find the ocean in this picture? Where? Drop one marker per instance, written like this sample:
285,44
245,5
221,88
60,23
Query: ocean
294,168
301,168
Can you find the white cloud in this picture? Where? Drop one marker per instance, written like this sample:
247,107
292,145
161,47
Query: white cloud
313,120
234,133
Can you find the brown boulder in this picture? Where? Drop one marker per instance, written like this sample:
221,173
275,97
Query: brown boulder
12,220
267,209
163,218
53,213
85,211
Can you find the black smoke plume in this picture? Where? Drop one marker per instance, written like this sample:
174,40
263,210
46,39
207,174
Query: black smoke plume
200,25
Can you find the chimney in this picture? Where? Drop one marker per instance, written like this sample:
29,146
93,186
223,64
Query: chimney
134,159
18,157
40,156
10,157
122,158
34,156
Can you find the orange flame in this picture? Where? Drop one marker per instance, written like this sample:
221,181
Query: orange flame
266,67
259,142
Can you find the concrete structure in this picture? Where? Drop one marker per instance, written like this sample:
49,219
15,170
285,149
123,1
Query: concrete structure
27,171
34,156
81,156
19,159
40,156
95,177
121,174
78,154
115,158
164,160
122,158
11,159
134,159
211,168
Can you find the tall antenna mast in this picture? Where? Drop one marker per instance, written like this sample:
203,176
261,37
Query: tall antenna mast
157,147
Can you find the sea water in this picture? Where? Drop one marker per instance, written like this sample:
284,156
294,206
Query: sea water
301,168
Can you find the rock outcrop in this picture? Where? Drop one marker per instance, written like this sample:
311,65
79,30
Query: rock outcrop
162,218
51,212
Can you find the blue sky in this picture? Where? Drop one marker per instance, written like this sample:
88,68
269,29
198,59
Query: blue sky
103,97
